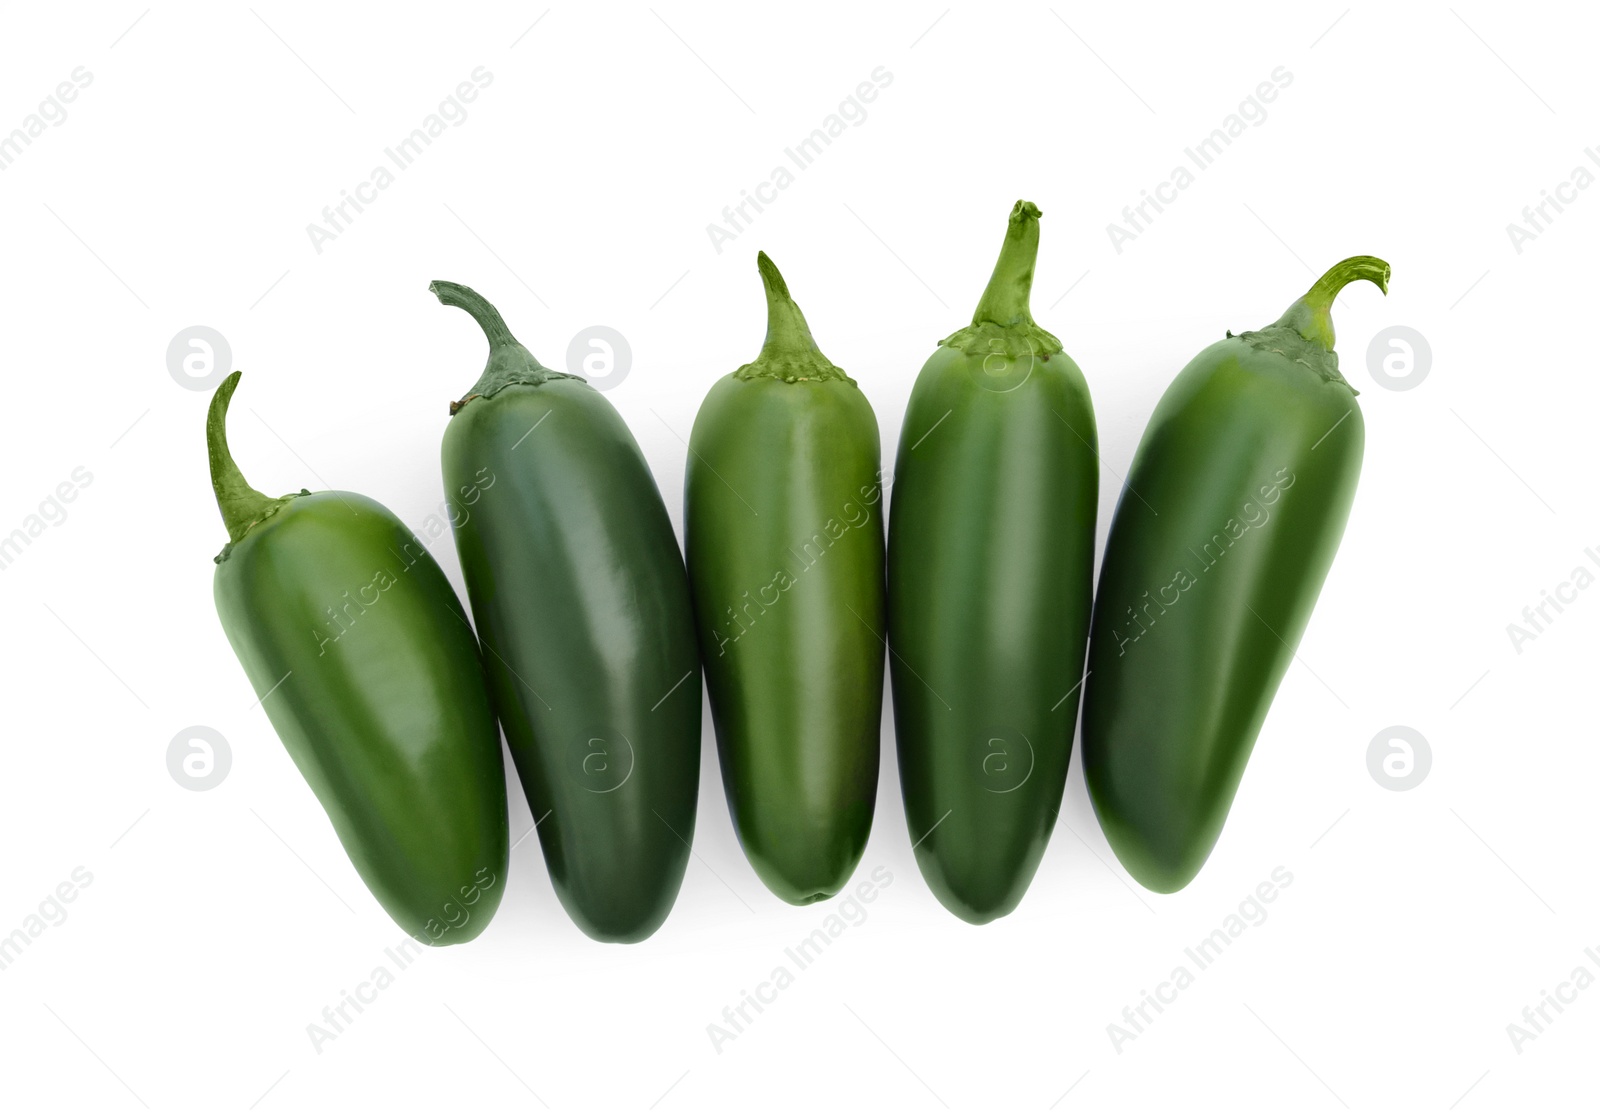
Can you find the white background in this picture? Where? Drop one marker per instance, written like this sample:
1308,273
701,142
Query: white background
219,924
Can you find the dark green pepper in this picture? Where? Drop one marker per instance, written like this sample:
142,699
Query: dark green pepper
783,531
991,572
366,666
1225,531
582,605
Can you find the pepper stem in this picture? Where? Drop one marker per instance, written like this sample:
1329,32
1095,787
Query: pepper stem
1003,325
509,361
789,351
787,331
1005,300
241,504
1309,315
481,310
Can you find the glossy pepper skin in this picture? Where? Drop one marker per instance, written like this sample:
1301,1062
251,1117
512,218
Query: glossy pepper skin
582,605
370,676
991,571
1224,533
784,540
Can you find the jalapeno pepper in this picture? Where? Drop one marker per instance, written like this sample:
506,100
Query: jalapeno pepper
582,604
991,572
783,532
369,672
1226,528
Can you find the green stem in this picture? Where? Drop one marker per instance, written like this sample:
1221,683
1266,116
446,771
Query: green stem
509,361
481,310
1310,314
242,505
789,351
787,331
1005,300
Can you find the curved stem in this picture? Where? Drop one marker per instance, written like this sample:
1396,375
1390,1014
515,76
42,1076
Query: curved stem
1005,300
1309,314
482,312
241,504
509,361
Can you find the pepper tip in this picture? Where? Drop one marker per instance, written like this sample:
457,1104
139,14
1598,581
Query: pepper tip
771,278
1025,211
224,393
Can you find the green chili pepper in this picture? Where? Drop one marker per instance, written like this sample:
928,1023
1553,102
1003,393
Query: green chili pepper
991,572
784,539
366,666
582,605
1226,528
